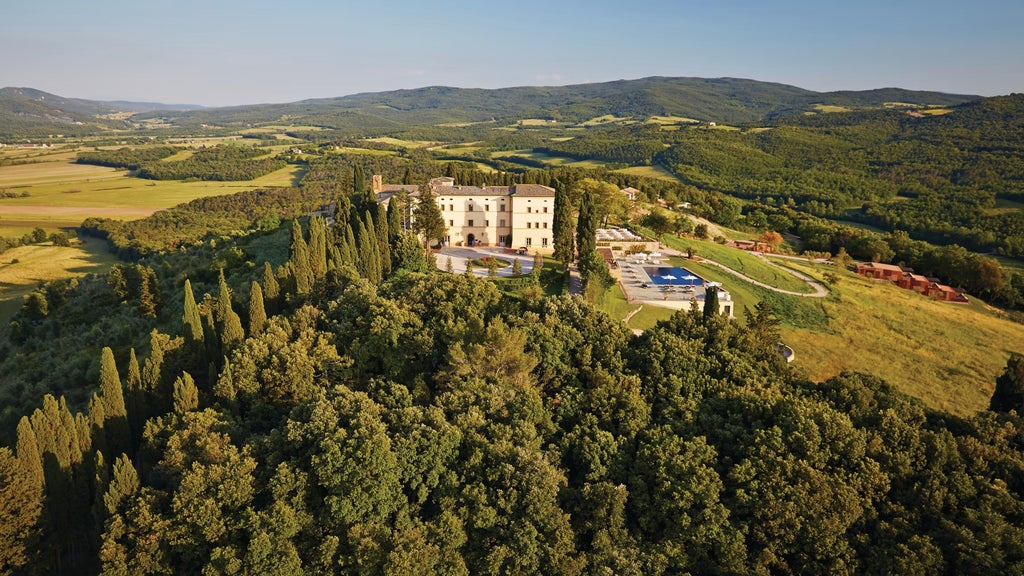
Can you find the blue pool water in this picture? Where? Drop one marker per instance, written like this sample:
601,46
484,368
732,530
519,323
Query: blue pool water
657,273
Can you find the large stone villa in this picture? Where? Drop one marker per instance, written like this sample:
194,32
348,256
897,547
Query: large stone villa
520,215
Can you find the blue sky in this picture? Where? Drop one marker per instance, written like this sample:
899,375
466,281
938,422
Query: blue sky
219,53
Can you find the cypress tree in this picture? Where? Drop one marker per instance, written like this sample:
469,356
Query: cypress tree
212,341
135,399
186,395
271,289
394,215
448,267
20,508
149,292
225,386
114,412
257,313
342,211
317,247
97,423
384,256
562,225
190,321
300,261
153,367
29,456
517,268
351,254
711,302
124,483
231,332
586,229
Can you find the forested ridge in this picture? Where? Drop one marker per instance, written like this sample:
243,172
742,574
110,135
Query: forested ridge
317,399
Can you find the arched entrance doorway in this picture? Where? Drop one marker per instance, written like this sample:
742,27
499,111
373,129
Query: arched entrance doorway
471,240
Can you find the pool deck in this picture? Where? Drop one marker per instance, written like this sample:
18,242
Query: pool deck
632,276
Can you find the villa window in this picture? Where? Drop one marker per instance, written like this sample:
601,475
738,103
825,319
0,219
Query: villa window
451,223
451,207
545,209
470,223
487,207
487,222
527,224
545,224
529,241
501,223
544,242
502,208
529,210
469,208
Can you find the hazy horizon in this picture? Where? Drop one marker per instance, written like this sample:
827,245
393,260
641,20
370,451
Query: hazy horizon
219,54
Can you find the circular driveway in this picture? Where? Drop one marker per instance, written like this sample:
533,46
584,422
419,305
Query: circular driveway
460,254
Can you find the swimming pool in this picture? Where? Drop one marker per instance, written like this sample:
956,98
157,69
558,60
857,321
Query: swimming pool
681,276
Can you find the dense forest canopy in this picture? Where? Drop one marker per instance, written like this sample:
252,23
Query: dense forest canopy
330,418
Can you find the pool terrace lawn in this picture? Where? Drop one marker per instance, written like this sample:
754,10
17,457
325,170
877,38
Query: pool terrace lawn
741,261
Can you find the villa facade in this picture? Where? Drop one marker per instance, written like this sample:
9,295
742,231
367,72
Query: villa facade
517,216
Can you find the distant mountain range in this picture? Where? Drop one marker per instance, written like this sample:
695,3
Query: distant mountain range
725,100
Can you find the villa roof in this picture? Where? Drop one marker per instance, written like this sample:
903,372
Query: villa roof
533,190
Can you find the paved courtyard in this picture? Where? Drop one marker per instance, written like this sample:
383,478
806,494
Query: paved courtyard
460,254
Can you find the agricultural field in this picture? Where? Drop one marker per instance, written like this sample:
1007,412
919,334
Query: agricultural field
649,172
61,193
23,268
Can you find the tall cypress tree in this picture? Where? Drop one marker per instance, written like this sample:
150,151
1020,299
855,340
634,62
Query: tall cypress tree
562,225
317,247
135,399
191,323
152,372
711,302
271,290
114,411
586,228
300,261
186,395
97,423
124,483
231,332
29,456
384,253
257,312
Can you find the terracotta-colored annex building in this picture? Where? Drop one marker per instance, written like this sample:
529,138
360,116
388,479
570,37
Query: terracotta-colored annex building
906,279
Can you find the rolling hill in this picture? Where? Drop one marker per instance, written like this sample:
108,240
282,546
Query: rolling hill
25,111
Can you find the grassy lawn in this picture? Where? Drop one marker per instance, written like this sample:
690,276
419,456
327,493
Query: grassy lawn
613,302
22,269
948,355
